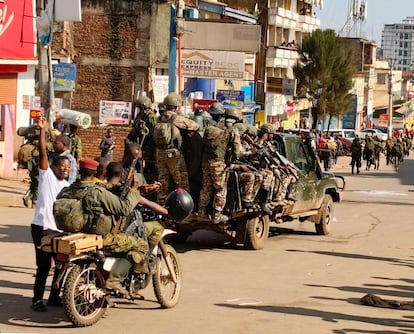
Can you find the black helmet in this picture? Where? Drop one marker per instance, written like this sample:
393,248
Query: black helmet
179,204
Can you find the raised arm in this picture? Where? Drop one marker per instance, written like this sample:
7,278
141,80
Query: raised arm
43,159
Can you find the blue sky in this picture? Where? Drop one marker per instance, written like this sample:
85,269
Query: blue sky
335,13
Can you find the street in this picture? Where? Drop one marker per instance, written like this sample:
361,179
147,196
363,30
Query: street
300,282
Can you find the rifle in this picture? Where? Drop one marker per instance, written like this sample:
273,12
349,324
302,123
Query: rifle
292,169
285,165
126,181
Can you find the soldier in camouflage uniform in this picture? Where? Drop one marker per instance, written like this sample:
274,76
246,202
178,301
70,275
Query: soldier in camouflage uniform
221,147
112,208
169,156
142,133
75,142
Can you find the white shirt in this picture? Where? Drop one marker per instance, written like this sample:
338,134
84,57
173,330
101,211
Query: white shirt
49,187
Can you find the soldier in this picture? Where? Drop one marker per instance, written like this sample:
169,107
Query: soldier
169,151
356,155
142,133
221,147
75,142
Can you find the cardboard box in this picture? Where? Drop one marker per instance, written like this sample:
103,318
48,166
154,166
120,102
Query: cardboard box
73,244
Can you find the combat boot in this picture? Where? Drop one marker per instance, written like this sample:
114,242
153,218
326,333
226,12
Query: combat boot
218,217
117,275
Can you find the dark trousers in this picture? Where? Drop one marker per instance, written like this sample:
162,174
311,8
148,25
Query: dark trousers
43,263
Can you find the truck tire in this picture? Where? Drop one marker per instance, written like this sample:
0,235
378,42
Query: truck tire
257,230
323,227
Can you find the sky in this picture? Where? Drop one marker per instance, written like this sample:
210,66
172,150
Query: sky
336,12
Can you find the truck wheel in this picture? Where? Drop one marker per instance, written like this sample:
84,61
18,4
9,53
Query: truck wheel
323,227
257,229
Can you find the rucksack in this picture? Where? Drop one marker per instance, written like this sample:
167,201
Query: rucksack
165,134
69,209
25,153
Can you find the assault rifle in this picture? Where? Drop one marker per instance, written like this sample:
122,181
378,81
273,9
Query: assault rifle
126,181
269,152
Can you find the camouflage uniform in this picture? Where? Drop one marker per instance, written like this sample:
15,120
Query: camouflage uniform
107,208
170,162
218,143
75,146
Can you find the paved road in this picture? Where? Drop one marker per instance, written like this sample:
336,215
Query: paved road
300,283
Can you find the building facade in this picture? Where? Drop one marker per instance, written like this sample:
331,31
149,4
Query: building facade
397,44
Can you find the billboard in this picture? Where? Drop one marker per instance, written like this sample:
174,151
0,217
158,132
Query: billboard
115,112
64,77
201,35
212,64
17,37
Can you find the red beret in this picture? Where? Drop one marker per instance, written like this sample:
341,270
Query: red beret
88,163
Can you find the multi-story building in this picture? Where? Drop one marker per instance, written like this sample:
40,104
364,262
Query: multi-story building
288,22
398,44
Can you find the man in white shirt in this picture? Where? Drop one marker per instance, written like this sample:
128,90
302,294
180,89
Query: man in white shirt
51,181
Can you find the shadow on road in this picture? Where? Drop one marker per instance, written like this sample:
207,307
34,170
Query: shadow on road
15,310
15,233
394,261
333,317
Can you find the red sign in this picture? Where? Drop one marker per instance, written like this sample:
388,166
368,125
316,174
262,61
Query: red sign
290,107
202,104
35,113
17,29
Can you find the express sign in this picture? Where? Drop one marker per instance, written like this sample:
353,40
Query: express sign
16,29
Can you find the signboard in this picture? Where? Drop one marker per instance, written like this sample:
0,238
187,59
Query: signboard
212,64
16,29
349,118
201,35
383,121
201,104
160,87
115,112
230,95
68,10
64,77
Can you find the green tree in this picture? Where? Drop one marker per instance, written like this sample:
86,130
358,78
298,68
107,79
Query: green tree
324,71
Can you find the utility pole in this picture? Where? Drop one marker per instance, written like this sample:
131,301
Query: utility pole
390,107
44,52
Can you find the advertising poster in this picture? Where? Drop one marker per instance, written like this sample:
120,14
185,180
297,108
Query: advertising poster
115,112
201,104
160,87
64,77
17,29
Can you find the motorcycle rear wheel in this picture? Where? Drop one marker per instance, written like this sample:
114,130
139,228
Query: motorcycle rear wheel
167,292
83,299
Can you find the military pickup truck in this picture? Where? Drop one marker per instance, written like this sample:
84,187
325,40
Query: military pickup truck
314,194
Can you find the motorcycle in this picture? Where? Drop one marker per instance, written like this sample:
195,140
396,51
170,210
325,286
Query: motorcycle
83,277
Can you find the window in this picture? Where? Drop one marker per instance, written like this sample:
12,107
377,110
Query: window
300,158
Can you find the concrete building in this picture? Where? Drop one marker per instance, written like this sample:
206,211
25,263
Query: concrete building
17,72
397,44
288,22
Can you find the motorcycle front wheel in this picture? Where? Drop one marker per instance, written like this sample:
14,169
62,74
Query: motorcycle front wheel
166,290
84,296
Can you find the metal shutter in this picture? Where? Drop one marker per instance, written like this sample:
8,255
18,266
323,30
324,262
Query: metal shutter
8,88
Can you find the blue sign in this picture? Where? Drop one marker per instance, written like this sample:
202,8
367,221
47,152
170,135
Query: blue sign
229,95
349,118
64,77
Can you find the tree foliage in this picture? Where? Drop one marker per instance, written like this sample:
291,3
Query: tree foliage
324,71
